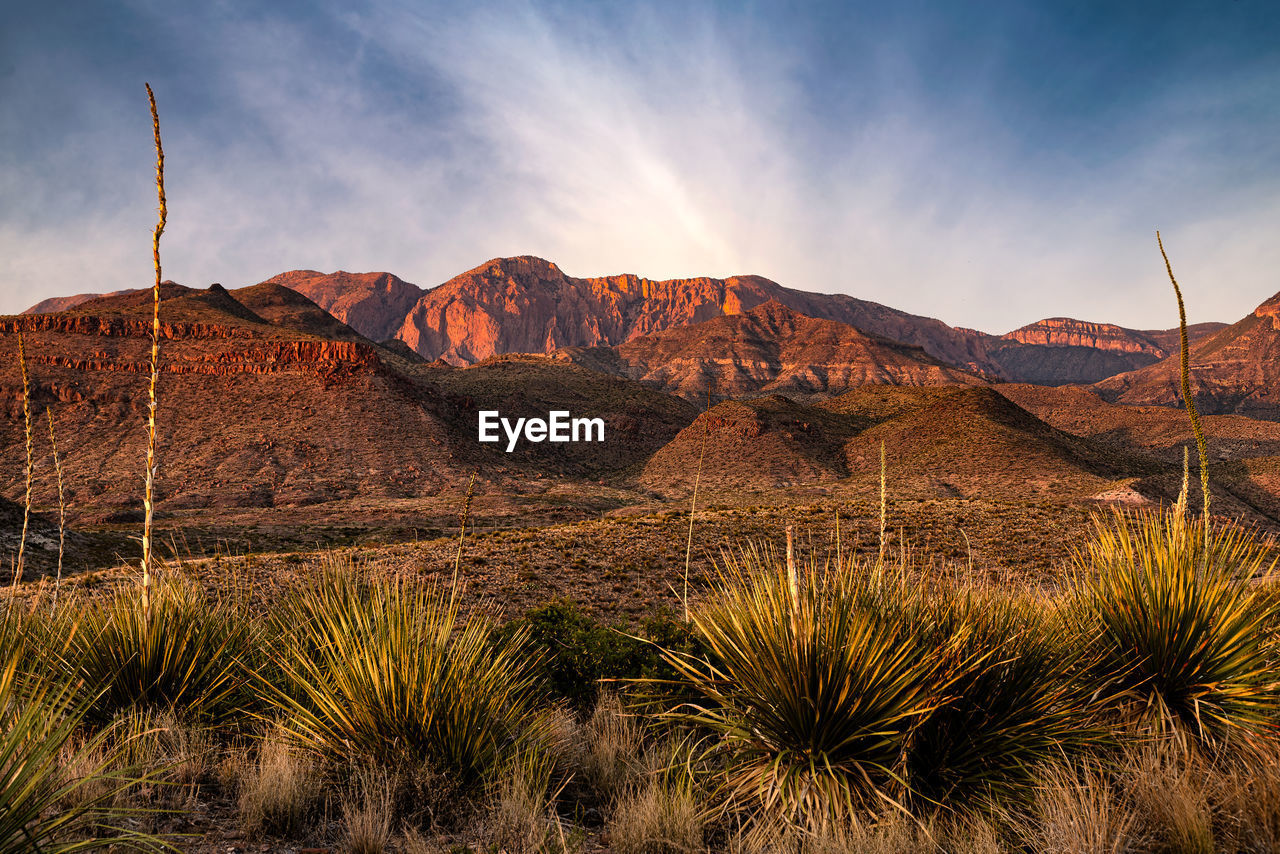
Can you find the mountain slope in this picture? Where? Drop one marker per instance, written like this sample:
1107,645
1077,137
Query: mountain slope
939,443
250,413
374,304
768,349
1236,370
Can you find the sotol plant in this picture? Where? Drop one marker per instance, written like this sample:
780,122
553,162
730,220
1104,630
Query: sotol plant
390,674
810,694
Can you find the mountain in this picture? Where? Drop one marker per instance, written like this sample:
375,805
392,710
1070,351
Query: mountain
528,305
287,308
753,444
975,442
374,304
268,401
1062,350
66,303
251,413
769,349
1235,370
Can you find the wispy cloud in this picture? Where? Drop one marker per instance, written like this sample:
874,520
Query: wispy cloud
913,168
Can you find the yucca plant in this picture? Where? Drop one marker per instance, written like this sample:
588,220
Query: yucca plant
809,693
185,656
1176,625
42,807
1014,702
391,674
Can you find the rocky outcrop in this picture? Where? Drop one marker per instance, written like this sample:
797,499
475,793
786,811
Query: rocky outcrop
317,357
373,304
120,327
1067,332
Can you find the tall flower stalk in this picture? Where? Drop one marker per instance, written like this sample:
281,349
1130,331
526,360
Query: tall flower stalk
62,506
148,501
26,504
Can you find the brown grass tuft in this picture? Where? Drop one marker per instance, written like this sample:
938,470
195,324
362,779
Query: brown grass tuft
278,792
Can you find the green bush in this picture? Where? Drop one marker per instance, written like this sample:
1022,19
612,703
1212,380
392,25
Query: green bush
576,653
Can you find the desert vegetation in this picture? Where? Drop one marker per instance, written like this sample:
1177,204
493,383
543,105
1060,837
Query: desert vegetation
809,704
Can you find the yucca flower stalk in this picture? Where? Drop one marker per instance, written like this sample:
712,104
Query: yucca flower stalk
26,503
1185,377
148,501
62,507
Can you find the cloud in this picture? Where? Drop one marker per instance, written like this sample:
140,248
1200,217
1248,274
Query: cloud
664,141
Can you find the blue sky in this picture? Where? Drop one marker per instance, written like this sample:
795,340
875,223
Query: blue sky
985,163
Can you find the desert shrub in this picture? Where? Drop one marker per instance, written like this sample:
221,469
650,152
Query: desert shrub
389,674
185,656
810,695
576,653
1175,626
56,795
1013,702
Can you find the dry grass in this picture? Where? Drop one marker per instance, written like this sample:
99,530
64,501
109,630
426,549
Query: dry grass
1077,810
368,812
278,792
1170,792
1246,795
657,817
522,817
613,741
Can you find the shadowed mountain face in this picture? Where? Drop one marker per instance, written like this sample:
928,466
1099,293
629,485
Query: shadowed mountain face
770,349
1235,370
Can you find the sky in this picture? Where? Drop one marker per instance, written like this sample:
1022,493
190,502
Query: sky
989,164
